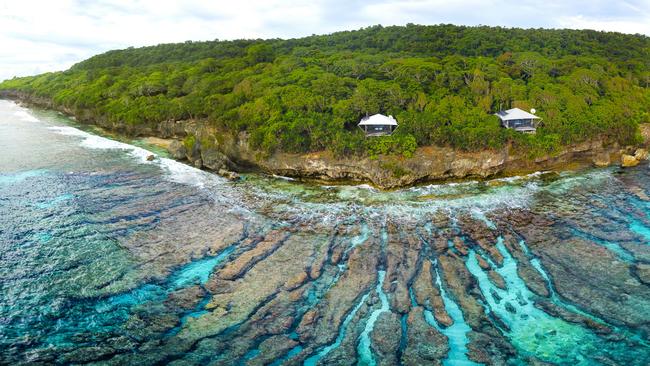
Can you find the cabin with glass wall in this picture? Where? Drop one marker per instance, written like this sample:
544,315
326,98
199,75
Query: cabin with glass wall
378,125
519,120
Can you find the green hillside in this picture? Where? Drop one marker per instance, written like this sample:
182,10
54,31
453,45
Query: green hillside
441,82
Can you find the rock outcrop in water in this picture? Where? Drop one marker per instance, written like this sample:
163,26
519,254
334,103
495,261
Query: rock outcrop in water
223,153
628,161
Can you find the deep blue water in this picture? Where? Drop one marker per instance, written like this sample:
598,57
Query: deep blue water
96,241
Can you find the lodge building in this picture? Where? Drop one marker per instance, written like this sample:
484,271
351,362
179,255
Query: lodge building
518,120
378,125
515,118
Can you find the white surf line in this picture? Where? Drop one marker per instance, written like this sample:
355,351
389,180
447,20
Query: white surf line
177,172
282,177
24,115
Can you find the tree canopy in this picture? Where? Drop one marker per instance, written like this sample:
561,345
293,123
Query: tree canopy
443,83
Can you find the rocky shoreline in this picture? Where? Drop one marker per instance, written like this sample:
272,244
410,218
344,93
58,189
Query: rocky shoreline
205,147
148,270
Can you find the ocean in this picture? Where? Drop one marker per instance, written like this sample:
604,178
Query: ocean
109,258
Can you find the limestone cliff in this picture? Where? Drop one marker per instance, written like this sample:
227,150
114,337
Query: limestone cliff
205,147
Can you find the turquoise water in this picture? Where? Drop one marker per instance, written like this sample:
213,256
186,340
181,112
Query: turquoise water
198,271
314,360
8,179
615,248
365,353
532,330
641,229
106,257
456,333
359,239
193,273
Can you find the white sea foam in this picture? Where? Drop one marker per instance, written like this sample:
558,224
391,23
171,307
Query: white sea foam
68,131
366,187
327,203
443,188
473,203
337,202
183,173
176,172
283,177
17,112
25,116
518,178
571,181
97,142
479,214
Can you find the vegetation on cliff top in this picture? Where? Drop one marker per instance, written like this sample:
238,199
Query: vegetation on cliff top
441,82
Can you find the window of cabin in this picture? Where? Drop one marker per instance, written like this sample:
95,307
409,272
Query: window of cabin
520,123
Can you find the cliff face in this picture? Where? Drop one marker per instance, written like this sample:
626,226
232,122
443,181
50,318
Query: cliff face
216,152
432,163
221,153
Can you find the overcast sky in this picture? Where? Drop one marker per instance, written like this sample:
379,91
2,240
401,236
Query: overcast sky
40,36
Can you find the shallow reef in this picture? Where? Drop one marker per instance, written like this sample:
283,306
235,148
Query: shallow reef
109,258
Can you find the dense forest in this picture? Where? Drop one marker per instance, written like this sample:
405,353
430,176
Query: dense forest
443,83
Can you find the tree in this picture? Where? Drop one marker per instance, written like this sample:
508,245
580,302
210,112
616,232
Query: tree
442,82
260,52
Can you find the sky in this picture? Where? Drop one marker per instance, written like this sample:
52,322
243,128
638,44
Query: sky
41,36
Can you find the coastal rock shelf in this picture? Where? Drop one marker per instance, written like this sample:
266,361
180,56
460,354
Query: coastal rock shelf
111,258
226,154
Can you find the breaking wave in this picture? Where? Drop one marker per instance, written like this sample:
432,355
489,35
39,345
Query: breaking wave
176,171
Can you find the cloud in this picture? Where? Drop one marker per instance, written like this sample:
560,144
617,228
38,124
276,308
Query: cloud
38,36
612,25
